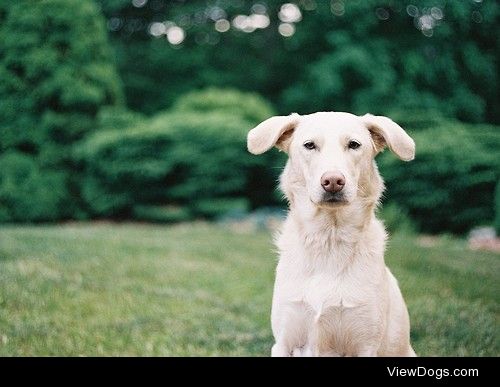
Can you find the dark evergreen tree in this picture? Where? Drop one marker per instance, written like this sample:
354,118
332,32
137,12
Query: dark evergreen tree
56,72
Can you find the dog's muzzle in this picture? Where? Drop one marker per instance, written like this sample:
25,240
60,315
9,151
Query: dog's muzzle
333,198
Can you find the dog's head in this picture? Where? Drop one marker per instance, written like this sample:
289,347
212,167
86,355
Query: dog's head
331,154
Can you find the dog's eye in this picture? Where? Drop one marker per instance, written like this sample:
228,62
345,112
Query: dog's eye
353,144
309,145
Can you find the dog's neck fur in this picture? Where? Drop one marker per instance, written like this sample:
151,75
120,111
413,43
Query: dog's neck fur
332,232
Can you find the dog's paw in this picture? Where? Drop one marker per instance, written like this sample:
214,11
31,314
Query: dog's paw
302,352
279,350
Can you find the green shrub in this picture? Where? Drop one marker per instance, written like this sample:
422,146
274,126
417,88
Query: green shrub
450,184
249,106
213,208
161,214
396,219
126,167
28,193
195,160
113,117
415,119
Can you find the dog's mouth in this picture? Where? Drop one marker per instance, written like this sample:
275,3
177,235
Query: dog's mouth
333,199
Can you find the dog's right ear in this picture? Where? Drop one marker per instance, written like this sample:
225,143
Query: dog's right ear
275,131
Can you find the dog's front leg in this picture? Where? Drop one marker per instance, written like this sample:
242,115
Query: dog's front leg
289,327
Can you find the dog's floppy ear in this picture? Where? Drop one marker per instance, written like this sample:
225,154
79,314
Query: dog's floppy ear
275,131
386,132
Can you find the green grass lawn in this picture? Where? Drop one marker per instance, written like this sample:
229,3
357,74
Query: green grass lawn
199,289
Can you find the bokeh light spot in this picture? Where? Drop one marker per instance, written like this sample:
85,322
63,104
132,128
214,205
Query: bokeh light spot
412,10
222,25
382,13
290,13
175,35
337,8
286,29
139,3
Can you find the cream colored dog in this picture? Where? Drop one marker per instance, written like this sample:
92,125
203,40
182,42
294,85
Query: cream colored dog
333,294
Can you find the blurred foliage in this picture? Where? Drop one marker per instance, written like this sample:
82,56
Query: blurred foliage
118,117
71,148
187,162
56,69
356,55
250,107
28,193
161,214
450,185
497,209
396,219
56,72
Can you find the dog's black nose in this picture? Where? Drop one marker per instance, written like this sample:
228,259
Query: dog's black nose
333,181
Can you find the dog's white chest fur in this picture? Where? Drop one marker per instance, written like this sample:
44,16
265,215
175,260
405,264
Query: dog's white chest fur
326,292
327,300
338,319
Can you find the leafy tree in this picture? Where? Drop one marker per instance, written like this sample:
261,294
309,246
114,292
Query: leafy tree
378,61
27,192
56,72
155,72
358,55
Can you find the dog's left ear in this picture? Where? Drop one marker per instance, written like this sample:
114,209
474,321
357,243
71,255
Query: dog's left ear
385,131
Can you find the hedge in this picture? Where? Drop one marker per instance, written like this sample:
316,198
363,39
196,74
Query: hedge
28,193
450,185
187,162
